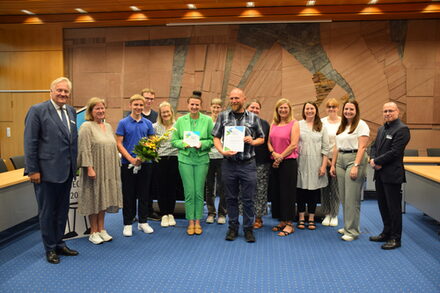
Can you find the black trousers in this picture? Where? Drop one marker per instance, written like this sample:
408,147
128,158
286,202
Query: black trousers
135,186
169,183
389,199
309,197
283,189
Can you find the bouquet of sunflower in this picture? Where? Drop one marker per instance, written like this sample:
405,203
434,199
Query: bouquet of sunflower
147,147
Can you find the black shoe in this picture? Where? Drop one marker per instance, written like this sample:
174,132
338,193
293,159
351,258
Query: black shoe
231,235
249,236
154,217
52,257
391,244
379,238
66,251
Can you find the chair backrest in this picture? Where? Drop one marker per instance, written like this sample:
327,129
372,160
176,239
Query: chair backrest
411,153
17,161
3,167
433,152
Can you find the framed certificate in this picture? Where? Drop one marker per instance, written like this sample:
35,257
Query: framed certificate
234,138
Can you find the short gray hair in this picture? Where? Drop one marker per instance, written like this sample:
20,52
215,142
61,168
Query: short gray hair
61,79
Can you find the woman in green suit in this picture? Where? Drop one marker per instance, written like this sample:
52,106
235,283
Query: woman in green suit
194,140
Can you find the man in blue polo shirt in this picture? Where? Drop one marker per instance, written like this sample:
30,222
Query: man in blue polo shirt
135,175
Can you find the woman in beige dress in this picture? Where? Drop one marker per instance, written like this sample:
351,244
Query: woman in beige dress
100,170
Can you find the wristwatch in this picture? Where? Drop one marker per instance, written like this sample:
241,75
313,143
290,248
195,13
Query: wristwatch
356,165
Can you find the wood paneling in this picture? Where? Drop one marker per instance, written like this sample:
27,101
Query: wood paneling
30,58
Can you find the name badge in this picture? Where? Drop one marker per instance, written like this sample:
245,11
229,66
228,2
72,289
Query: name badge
389,136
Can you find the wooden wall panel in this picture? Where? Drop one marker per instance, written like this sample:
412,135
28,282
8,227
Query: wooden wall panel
31,57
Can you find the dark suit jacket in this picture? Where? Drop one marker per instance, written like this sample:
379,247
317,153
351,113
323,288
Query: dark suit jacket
388,151
49,148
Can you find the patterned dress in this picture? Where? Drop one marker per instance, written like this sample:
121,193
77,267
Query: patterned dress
97,148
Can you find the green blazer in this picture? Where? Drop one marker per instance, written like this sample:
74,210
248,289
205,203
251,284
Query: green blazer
193,156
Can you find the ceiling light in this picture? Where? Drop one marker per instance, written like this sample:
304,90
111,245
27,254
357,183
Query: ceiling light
135,8
310,2
191,6
250,4
372,2
80,10
246,22
27,12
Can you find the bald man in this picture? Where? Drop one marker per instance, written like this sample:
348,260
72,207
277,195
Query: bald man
239,171
387,160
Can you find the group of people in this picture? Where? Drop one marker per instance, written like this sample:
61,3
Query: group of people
307,161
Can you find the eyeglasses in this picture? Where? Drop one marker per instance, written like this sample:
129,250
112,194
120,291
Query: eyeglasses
388,111
332,107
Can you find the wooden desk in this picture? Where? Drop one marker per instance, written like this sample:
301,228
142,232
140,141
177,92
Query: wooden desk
12,177
422,189
17,199
421,160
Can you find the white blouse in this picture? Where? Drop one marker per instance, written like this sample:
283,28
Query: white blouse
346,141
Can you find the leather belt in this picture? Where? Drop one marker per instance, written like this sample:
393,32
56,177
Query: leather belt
347,151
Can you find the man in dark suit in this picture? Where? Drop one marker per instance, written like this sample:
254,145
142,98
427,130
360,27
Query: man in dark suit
387,160
50,146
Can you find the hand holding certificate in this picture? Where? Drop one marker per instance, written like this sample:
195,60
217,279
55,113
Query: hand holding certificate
192,138
234,138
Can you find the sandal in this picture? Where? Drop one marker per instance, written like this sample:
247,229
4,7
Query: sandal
278,227
301,224
258,223
311,225
283,233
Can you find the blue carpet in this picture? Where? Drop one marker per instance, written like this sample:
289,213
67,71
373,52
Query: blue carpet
170,261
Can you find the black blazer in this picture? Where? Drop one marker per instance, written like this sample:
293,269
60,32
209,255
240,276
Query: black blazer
388,151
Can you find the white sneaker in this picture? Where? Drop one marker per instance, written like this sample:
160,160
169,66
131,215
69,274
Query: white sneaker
210,219
221,220
346,237
146,228
334,221
171,220
341,231
128,231
165,221
95,238
326,221
105,236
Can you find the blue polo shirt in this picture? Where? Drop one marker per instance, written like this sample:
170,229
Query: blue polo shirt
133,131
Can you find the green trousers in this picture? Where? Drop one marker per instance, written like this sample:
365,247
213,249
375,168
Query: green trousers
193,179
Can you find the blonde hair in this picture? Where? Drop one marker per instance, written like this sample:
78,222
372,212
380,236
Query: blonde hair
61,79
173,115
136,97
276,116
90,105
217,101
148,91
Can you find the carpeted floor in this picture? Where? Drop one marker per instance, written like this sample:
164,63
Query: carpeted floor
170,261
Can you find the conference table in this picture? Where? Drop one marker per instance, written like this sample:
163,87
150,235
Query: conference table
421,160
17,199
422,189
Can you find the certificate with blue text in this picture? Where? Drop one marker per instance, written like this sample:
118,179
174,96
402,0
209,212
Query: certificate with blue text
234,138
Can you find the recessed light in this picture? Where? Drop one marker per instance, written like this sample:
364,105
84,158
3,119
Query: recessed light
27,12
250,4
191,6
311,3
80,10
372,2
135,8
